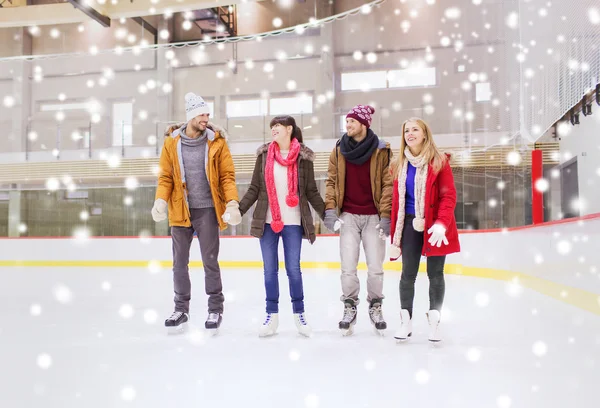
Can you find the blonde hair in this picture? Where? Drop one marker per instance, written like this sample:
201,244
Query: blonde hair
434,156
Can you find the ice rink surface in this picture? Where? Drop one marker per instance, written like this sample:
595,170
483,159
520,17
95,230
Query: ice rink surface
93,337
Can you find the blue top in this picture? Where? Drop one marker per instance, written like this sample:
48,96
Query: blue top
409,206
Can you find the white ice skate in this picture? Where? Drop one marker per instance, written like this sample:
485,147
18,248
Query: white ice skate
269,326
303,327
405,330
433,317
177,323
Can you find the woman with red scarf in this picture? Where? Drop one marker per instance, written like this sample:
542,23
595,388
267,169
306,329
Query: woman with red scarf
284,184
423,222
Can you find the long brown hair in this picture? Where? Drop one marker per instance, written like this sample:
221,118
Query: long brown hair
287,120
434,156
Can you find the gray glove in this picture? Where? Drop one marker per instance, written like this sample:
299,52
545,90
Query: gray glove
330,219
384,227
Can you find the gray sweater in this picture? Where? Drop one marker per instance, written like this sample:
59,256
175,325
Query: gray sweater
194,152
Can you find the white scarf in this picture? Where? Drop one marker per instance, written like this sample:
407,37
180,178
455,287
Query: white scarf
422,167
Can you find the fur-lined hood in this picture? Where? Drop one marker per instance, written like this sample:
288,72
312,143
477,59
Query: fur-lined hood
305,152
214,131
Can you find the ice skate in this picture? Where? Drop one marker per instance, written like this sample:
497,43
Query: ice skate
376,316
348,321
303,327
213,322
405,330
269,326
433,317
177,323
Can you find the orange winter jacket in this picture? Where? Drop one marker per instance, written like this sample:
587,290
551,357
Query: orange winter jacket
220,172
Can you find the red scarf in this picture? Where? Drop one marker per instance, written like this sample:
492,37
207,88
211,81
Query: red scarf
274,153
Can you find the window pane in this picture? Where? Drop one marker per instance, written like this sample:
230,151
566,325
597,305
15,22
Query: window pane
211,106
363,80
246,108
122,117
411,77
291,106
483,92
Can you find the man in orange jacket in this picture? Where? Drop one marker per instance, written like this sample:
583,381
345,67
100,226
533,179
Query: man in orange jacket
196,183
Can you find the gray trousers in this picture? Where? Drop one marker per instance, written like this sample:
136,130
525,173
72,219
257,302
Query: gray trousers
354,230
204,222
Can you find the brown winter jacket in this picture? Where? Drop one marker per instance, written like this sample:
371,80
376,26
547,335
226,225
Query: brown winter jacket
307,190
219,171
381,180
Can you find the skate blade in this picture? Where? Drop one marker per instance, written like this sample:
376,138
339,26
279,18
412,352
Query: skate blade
401,340
267,334
379,332
212,332
175,330
347,332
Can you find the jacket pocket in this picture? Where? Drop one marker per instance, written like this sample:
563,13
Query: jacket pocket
177,210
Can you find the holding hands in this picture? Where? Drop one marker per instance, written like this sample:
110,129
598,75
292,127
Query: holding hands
232,214
384,228
331,221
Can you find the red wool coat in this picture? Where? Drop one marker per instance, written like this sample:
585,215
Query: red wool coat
440,202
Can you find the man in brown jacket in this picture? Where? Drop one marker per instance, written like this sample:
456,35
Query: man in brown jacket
197,180
359,188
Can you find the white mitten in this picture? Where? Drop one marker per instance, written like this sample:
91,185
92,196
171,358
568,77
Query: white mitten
395,252
438,235
159,210
232,213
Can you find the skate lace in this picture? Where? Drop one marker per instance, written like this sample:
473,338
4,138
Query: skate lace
267,319
349,313
302,319
175,315
376,314
213,317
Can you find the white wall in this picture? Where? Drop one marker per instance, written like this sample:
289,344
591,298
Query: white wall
583,142
563,253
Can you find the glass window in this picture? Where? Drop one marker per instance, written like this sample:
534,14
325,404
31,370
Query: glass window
291,106
246,108
411,77
362,81
122,119
483,92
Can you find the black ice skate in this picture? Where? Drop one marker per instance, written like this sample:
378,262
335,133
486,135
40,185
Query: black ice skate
349,319
213,322
376,316
177,322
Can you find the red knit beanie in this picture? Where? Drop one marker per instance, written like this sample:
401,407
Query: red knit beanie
362,113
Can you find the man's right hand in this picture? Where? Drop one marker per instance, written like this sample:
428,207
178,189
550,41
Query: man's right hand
159,211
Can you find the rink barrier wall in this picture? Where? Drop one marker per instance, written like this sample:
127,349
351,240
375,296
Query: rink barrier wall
560,259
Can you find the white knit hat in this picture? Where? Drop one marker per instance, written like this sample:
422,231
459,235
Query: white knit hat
194,106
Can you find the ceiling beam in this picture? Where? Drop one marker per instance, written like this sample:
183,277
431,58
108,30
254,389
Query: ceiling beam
65,13
91,12
148,27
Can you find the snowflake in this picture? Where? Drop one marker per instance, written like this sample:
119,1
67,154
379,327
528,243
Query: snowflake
44,361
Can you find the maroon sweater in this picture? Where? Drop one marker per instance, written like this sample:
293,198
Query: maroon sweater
358,196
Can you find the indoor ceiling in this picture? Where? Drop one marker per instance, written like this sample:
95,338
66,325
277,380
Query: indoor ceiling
26,13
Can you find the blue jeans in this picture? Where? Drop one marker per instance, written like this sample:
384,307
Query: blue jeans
291,236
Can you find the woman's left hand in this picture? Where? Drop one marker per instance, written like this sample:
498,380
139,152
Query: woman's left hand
438,235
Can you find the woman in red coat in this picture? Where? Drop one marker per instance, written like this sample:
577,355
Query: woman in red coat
422,221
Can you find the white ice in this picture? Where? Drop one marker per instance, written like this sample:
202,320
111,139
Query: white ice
92,337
